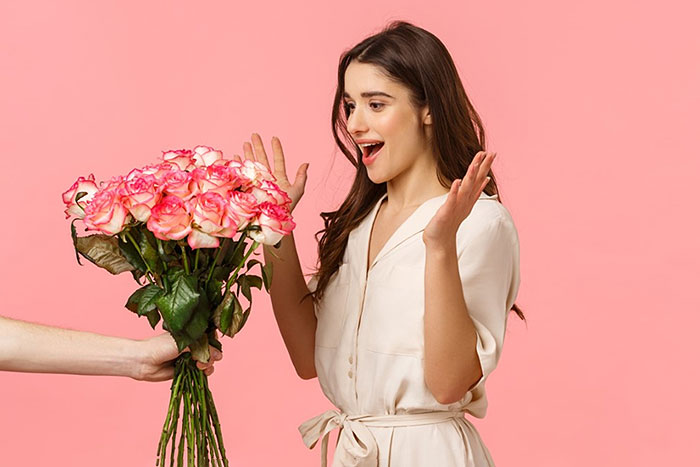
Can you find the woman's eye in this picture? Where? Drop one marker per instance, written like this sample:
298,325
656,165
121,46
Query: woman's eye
377,103
348,107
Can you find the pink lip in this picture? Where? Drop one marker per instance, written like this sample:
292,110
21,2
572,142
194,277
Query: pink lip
369,160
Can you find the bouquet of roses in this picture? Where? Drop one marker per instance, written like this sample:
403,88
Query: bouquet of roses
181,228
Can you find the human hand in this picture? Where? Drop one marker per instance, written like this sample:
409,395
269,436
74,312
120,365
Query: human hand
442,228
256,152
156,355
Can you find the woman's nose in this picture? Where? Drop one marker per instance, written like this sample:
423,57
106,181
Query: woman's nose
356,122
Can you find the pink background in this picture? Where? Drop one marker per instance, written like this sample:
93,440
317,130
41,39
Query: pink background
592,107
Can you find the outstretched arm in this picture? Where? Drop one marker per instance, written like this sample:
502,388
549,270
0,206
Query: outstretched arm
31,347
452,364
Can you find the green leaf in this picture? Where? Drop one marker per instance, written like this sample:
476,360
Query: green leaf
153,317
103,250
252,263
226,246
129,251
197,326
239,320
132,302
213,341
234,256
254,281
245,286
179,302
214,291
223,314
137,275
199,349
199,323
165,249
149,253
74,237
147,300
221,273
182,340
141,296
267,275
246,313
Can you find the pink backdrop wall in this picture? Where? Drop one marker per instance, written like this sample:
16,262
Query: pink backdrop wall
592,107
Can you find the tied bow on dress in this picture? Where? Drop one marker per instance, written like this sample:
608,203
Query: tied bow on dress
356,445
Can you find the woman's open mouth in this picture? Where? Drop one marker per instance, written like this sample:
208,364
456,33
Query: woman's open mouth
370,152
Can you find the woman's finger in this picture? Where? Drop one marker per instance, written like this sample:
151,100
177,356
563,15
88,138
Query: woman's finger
248,151
278,155
259,150
485,165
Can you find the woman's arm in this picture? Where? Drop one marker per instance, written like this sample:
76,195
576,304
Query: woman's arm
451,361
31,347
295,319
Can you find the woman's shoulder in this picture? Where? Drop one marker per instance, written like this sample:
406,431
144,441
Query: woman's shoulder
488,217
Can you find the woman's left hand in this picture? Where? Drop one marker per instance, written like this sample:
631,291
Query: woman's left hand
441,231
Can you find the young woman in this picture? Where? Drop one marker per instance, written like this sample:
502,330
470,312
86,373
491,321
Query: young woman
418,267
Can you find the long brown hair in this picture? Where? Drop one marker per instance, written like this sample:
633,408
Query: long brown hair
418,60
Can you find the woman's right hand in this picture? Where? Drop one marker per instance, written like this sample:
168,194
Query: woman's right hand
256,152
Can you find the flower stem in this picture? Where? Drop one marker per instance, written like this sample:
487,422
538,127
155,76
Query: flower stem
215,419
148,269
166,426
184,258
201,432
235,273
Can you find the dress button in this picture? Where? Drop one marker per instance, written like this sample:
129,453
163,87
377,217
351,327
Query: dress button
350,359
350,374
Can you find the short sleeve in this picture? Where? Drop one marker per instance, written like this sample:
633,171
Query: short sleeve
312,283
488,258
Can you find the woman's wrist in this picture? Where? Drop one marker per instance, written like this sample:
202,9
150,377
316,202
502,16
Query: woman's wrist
441,250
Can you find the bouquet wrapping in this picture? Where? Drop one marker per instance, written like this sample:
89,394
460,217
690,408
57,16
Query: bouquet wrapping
185,228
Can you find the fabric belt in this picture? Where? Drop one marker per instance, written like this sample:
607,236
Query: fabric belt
356,442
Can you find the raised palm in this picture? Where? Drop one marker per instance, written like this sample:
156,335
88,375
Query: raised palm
256,152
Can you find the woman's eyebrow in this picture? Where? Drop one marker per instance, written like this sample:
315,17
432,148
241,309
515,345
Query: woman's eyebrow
367,94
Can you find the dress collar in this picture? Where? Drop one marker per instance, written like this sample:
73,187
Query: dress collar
413,224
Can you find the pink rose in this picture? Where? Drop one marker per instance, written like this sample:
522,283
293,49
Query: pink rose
170,219
207,212
159,170
237,168
139,195
204,156
268,191
217,178
83,184
241,208
179,183
183,158
274,221
105,213
113,183
256,172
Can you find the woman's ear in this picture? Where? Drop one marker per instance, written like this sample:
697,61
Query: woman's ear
427,119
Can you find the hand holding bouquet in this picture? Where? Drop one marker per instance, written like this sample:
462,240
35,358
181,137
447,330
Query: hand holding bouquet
181,228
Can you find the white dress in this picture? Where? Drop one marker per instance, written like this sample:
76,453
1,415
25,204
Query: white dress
369,352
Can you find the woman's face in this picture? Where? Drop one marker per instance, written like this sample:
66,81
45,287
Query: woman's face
380,111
